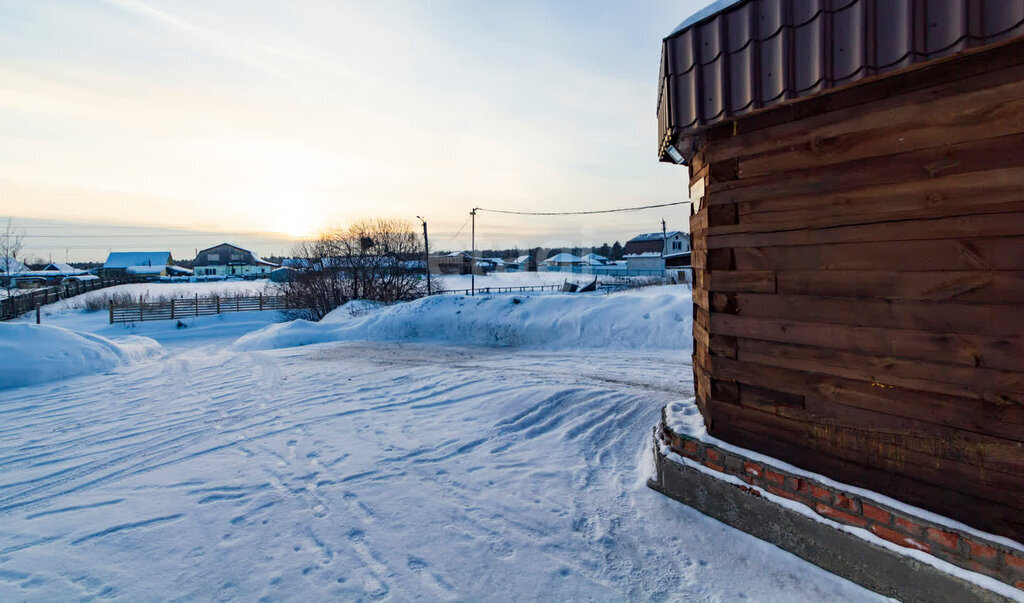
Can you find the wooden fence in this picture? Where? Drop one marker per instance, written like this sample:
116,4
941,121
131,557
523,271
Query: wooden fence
26,300
193,306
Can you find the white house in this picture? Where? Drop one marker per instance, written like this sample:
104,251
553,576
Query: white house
561,260
227,260
648,251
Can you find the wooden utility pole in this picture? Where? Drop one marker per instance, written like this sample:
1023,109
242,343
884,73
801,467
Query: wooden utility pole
664,238
472,259
426,252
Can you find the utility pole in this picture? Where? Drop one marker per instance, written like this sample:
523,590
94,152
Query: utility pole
664,238
472,259
426,252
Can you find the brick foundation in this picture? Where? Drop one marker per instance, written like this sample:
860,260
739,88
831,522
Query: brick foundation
958,547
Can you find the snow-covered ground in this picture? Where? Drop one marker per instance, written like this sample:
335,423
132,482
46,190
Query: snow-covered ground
368,470
653,318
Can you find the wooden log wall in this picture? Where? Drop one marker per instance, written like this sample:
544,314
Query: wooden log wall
859,286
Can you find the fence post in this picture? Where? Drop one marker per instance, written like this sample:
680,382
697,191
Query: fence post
261,300
197,304
172,308
217,297
111,311
37,313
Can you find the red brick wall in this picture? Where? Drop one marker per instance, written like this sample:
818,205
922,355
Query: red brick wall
955,546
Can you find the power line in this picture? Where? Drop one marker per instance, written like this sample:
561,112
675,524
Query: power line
578,213
461,228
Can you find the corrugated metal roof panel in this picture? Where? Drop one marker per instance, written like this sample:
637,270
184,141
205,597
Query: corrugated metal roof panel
753,54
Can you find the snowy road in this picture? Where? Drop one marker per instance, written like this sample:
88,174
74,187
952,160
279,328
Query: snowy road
364,471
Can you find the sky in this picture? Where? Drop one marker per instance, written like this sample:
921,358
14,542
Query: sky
173,125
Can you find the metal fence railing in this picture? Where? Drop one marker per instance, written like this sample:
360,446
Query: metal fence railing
186,307
487,290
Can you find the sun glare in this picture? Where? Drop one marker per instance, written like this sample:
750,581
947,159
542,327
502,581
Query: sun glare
295,227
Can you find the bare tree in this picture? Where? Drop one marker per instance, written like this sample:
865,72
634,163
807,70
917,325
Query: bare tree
11,243
379,259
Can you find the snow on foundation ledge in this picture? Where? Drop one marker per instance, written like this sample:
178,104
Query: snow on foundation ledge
990,561
652,318
32,353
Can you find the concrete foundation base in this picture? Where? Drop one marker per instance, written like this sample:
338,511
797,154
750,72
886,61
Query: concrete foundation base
839,552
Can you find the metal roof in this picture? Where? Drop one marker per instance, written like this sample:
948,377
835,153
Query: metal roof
124,259
753,54
654,236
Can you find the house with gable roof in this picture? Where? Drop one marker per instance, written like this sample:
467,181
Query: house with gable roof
227,260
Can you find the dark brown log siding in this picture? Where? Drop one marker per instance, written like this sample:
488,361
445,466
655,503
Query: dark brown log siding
859,289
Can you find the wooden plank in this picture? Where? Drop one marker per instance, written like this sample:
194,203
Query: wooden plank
957,227
964,158
699,259
699,221
701,317
716,345
949,442
969,414
943,194
938,254
853,218
908,487
769,400
761,281
1000,352
700,298
968,448
993,320
1000,387
956,286
701,337
957,114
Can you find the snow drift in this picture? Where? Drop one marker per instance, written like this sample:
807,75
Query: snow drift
653,318
35,353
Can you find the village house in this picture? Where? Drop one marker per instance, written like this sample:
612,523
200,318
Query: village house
141,264
523,263
9,267
563,260
648,251
855,173
230,260
457,262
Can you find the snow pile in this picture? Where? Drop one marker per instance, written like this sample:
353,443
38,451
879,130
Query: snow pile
653,318
37,353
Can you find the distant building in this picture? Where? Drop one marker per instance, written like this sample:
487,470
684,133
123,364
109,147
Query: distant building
11,266
594,259
60,268
523,263
227,260
648,251
457,262
124,264
563,260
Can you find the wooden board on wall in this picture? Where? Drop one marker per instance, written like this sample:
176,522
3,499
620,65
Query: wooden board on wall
984,254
